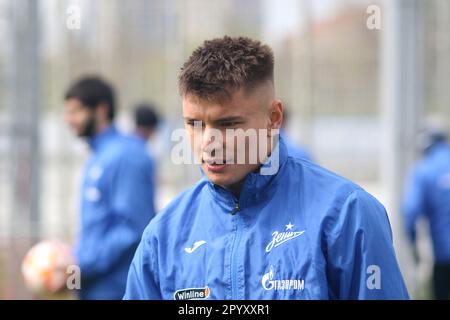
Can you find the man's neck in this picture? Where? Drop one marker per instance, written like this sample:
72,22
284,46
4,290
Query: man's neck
102,126
93,139
236,188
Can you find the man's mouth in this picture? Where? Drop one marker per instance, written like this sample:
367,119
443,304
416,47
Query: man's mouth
215,165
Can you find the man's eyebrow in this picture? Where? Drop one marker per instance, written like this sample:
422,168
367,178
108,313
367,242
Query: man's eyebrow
229,119
224,119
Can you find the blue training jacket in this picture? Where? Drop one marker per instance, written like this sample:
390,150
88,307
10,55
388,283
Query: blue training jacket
428,193
116,206
302,233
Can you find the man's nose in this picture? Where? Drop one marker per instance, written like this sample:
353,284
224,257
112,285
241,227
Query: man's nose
211,139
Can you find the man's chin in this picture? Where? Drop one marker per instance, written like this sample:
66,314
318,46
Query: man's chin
217,178
81,135
84,134
223,179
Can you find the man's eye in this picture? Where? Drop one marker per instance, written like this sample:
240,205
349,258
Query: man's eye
229,123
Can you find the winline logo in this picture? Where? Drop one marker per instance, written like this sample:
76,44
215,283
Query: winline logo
192,294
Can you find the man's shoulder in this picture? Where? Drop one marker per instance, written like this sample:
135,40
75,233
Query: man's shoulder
314,178
324,189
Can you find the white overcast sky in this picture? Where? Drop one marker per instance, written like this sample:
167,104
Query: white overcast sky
287,16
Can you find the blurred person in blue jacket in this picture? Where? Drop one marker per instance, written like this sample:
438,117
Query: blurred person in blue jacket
427,194
146,123
278,228
117,191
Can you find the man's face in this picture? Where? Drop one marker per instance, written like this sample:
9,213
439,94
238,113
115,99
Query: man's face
243,111
78,117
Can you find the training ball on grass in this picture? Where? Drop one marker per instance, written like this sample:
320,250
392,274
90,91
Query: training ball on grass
44,266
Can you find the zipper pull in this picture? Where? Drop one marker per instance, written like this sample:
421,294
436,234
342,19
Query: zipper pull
235,209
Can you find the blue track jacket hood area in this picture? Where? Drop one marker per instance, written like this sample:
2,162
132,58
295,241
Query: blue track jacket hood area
302,233
116,206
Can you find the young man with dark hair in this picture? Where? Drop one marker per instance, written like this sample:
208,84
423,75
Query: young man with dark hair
117,192
245,232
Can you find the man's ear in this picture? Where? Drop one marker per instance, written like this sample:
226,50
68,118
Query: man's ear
275,114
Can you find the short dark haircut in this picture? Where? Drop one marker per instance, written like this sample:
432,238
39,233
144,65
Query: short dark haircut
145,115
92,91
220,66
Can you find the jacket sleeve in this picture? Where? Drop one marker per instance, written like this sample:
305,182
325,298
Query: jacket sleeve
142,282
131,207
413,202
361,262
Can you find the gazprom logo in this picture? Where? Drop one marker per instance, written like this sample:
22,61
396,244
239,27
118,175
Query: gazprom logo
269,283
